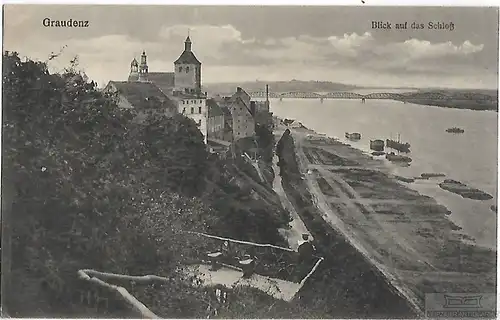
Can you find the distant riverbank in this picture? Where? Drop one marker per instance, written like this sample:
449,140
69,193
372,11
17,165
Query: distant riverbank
480,105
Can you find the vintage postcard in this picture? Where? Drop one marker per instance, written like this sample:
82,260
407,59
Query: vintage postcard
249,161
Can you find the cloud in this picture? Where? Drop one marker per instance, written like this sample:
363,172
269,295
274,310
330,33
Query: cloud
415,49
351,44
225,45
341,58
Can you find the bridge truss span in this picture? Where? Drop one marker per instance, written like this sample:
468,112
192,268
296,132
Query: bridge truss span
329,95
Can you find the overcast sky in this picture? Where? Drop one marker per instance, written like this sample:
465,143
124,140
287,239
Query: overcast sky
269,43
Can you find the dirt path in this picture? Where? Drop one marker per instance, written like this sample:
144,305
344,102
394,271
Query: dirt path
297,226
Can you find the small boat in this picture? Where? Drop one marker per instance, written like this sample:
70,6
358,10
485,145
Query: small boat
432,175
421,178
405,179
378,153
353,136
397,158
398,145
455,130
377,145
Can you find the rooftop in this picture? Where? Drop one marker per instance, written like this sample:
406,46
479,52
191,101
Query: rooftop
164,80
143,95
188,95
214,109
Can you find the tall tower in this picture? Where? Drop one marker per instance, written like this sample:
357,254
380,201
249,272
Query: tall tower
143,68
187,71
134,71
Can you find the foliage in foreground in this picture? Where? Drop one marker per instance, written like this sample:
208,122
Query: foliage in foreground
89,188
85,186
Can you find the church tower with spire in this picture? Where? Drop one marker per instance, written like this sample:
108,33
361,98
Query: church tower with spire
143,67
188,71
134,71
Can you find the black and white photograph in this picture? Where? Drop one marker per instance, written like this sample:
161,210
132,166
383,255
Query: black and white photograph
251,162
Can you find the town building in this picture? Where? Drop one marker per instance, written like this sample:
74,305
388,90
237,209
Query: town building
241,114
215,120
243,123
145,97
182,88
222,118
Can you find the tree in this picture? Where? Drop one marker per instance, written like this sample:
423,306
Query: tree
81,200
177,155
265,140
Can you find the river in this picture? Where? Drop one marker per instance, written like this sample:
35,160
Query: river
470,157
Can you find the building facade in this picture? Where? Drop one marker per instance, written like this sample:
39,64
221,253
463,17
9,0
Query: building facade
195,108
243,123
215,120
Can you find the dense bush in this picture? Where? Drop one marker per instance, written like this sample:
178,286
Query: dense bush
85,186
89,188
265,140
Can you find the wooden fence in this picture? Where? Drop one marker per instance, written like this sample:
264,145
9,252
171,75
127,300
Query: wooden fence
96,291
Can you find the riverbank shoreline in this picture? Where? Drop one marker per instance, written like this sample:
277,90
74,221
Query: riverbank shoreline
426,243
469,158
483,105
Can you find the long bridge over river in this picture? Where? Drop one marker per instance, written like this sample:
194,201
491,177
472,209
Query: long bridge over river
342,95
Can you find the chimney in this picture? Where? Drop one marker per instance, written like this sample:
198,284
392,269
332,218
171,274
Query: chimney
267,92
238,89
252,107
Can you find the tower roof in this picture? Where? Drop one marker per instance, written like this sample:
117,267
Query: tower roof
187,57
134,63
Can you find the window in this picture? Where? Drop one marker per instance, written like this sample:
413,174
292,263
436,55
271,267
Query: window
192,110
180,69
187,69
199,110
199,122
183,110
